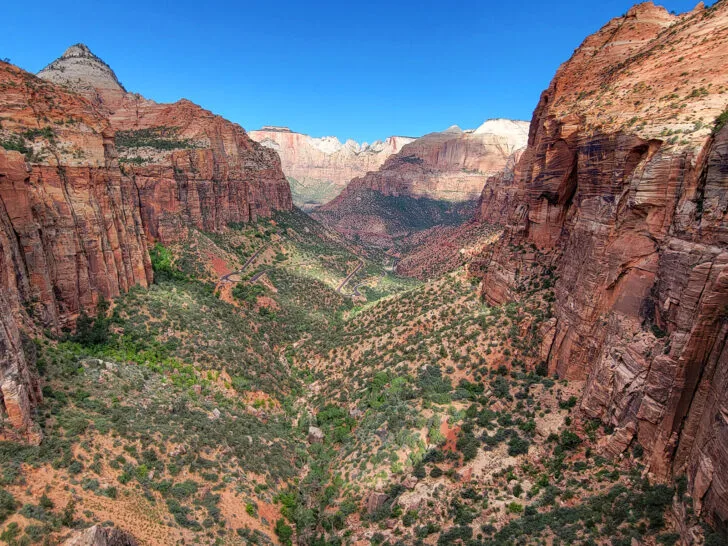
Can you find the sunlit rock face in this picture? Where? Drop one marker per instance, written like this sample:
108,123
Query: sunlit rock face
623,186
209,173
319,168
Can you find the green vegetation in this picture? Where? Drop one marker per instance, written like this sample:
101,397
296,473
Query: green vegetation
19,142
159,138
720,122
7,505
16,143
401,214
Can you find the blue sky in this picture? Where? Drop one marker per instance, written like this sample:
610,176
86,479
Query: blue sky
361,70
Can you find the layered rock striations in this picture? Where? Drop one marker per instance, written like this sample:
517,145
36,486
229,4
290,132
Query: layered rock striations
89,176
215,174
83,72
434,180
191,167
70,229
623,192
319,168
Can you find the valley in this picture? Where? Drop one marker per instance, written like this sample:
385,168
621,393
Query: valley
514,334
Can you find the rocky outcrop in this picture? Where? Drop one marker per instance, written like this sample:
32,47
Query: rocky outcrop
83,72
70,229
434,180
72,233
623,189
215,174
19,385
101,536
319,168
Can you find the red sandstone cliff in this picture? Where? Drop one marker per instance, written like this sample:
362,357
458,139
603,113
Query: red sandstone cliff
197,169
625,191
319,168
70,229
75,220
223,176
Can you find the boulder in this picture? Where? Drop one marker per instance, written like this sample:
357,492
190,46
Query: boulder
375,501
315,435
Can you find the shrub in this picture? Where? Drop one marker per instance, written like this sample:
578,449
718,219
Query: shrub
180,514
467,444
7,505
11,532
93,331
409,518
284,532
569,440
248,292
501,387
15,143
451,536
515,507
32,511
162,264
720,121
159,138
184,489
517,446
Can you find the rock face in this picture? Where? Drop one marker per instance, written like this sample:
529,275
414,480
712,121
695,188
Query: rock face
88,177
433,180
625,191
70,228
101,536
19,386
315,435
191,167
83,72
319,168
215,175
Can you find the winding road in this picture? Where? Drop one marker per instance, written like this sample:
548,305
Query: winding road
227,278
350,275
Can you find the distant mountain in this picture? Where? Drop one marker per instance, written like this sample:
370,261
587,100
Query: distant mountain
319,168
434,180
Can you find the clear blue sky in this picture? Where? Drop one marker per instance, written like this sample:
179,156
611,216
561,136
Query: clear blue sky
361,70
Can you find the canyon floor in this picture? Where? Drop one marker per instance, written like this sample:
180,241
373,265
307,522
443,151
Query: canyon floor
246,397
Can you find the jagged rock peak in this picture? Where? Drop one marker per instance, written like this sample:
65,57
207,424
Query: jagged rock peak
79,69
454,129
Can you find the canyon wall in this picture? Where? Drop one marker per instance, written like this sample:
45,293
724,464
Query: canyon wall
90,176
623,191
192,168
433,180
319,168
217,175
